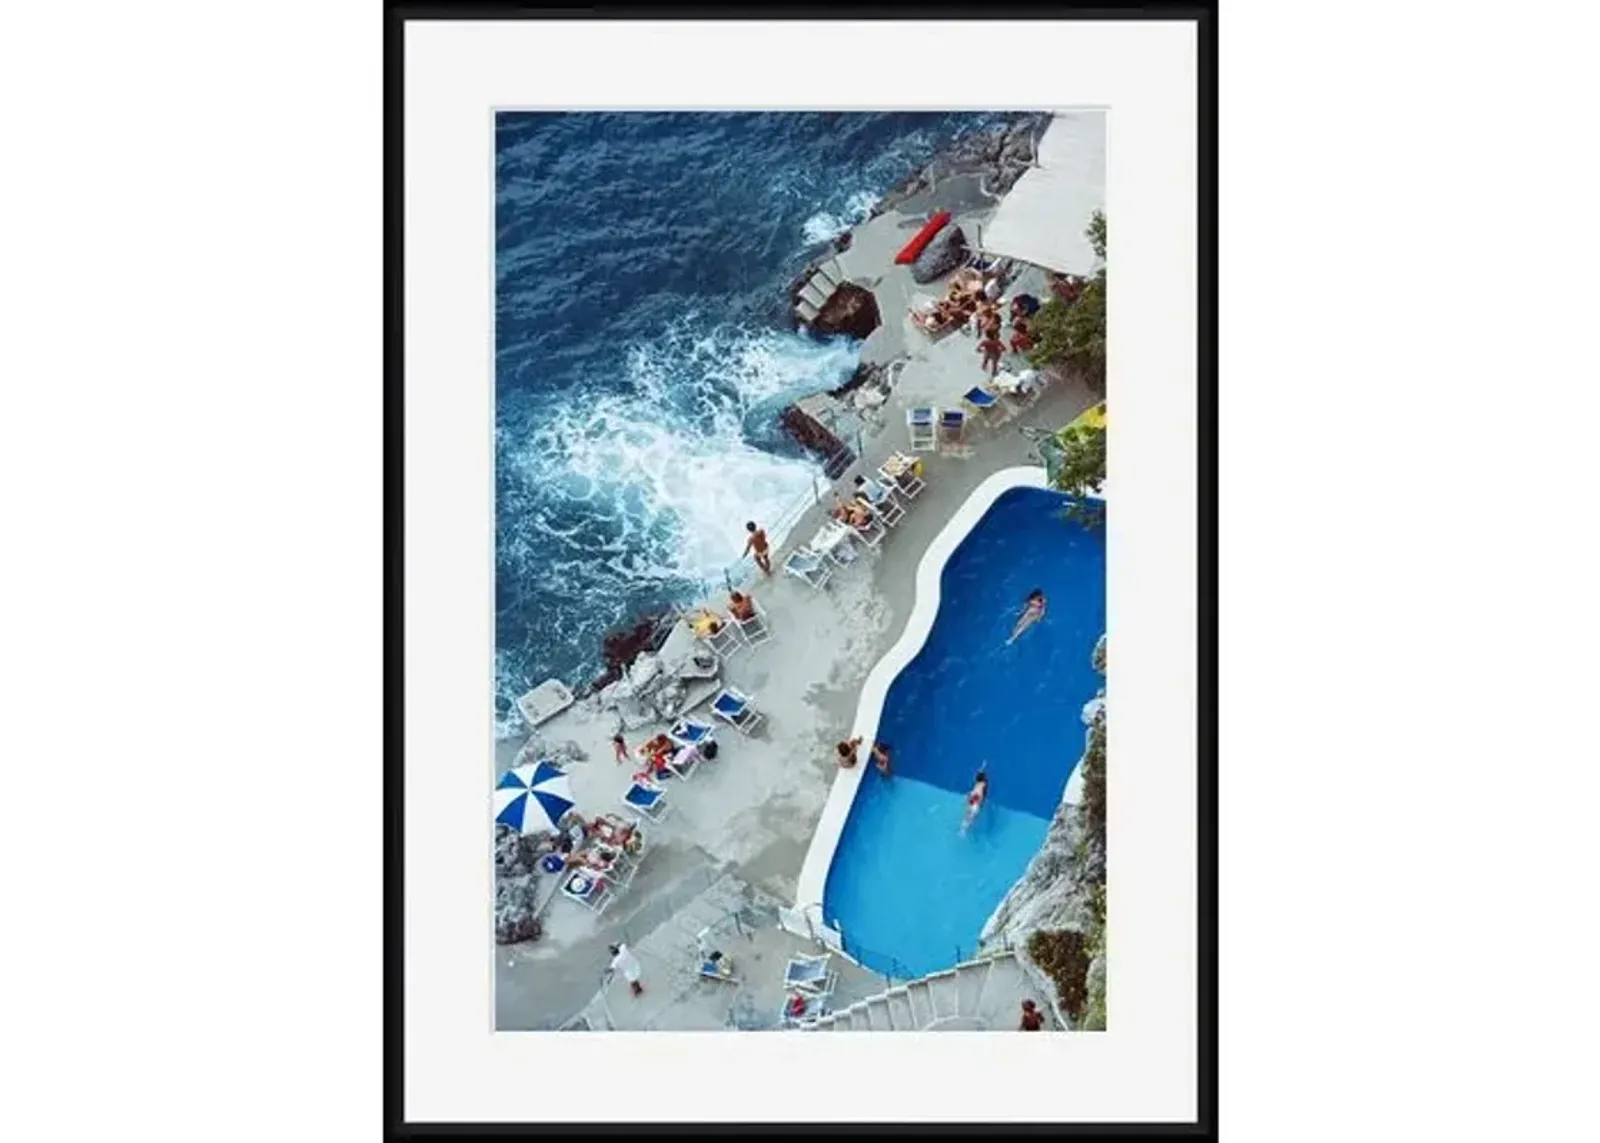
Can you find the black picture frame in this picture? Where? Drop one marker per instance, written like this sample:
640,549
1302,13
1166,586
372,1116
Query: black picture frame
395,18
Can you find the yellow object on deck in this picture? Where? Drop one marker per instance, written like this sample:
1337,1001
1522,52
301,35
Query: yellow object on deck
1093,417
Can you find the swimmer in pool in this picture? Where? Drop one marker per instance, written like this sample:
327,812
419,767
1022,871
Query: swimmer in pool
1032,612
975,799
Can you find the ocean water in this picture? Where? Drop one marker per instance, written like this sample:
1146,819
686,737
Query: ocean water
642,355
907,889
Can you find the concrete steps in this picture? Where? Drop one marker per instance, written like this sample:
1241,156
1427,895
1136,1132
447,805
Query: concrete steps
963,993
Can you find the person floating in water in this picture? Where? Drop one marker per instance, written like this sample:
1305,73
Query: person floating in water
880,757
975,799
1032,612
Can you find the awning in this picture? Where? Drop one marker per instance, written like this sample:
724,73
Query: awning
1043,218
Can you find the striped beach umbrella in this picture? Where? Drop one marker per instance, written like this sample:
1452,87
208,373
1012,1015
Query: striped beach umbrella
533,797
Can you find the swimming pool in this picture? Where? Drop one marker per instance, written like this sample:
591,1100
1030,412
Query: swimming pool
909,893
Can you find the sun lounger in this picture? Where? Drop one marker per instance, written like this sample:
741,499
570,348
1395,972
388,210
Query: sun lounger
715,966
901,473
809,1010
871,533
588,889
920,422
692,733
646,799
813,567
754,631
738,710
982,402
806,972
684,761
722,638
888,512
952,428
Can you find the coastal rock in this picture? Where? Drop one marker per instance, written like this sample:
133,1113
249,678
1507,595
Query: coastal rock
566,753
852,311
947,251
622,645
809,432
1099,656
516,917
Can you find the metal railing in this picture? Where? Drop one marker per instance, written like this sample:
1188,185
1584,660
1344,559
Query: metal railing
833,465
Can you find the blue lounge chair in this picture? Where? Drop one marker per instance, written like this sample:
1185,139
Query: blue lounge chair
688,732
646,799
982,402
952,427
737,710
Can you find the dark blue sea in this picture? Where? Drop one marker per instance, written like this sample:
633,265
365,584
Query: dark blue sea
642,356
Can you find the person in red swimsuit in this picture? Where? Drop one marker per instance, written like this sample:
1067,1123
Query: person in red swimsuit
975,799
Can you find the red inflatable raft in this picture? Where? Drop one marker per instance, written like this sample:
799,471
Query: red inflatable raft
909,253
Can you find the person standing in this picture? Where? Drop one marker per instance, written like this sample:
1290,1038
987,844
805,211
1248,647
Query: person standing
620,748
992,349
756,546
846,751
623,961
1032,1018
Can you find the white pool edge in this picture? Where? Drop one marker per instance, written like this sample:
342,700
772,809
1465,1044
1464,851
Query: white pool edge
813,879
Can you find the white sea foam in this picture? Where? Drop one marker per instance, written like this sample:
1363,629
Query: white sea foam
823,225
666,459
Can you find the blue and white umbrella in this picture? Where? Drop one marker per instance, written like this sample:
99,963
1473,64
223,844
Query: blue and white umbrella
532,798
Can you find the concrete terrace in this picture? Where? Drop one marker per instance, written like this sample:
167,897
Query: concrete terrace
738,830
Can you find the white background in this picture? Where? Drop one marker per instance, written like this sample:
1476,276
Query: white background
1144,1067
190,634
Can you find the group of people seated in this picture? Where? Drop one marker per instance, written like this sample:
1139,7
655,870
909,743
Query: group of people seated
861,509
965,294
597,844
705,622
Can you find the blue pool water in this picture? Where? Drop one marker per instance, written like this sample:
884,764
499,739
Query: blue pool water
907,890
642,355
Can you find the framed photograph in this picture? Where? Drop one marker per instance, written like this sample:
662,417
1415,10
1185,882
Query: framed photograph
801,634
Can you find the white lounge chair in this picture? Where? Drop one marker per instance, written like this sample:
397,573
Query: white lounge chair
899,470
920,428
754,631
737,710
591,890
871,534
813,567
882,500
807,973
724,640
811,1008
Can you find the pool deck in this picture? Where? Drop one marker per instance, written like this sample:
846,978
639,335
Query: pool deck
753,812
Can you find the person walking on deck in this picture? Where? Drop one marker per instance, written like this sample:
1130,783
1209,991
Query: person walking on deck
623,961
756,546
992,349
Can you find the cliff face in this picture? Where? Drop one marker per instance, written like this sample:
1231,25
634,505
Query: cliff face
1063,885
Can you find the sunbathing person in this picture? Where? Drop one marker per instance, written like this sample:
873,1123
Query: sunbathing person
1032,612
614,831
704,622
870,490
741,607
857,513
846,751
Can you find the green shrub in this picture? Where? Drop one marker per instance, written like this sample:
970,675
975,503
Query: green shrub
1075,334
1064,957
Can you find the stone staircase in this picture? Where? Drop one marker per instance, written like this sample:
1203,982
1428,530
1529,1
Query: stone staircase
818,289
973,996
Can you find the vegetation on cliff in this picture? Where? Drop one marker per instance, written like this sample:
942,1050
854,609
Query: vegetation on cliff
1073,333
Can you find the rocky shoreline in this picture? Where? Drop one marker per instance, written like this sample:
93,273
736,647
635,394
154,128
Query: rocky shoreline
998,156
